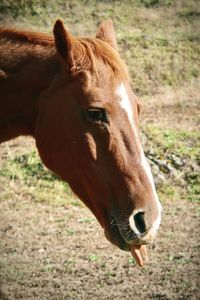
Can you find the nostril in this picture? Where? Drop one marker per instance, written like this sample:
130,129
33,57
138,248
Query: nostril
140,222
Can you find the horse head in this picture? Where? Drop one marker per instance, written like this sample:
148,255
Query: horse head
87,132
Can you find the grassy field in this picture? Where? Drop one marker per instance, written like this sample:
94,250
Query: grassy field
160,42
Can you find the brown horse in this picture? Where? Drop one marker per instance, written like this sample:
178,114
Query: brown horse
74,96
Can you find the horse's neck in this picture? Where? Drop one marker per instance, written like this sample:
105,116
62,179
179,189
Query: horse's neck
25,72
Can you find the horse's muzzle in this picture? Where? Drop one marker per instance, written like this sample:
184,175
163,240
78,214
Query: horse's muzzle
125,232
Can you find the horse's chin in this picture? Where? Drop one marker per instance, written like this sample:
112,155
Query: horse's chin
113,235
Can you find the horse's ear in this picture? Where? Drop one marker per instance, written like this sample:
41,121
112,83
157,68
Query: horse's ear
63,42
106,33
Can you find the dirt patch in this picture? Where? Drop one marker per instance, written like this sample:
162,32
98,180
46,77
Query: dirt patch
50,252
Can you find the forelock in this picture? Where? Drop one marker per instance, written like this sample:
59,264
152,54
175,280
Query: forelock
97,49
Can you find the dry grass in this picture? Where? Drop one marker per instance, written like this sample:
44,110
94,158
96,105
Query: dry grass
174,108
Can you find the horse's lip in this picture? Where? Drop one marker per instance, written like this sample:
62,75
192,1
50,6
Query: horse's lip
118,237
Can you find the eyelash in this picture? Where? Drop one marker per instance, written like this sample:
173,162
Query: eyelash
97,115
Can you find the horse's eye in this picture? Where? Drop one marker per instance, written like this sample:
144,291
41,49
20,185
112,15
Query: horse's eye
96,115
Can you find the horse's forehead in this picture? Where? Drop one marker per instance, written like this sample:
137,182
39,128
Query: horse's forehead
104,72
106,84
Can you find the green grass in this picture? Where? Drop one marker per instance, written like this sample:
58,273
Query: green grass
27,170
169,192
179,142
193,188
176,152
93,258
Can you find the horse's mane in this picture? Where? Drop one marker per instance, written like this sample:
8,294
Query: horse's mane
99,48
93,47
40,38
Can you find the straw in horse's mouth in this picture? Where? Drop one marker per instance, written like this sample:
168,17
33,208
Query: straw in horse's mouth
119,230
140,254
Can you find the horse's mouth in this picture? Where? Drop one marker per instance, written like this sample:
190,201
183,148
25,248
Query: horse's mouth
127,240
114,236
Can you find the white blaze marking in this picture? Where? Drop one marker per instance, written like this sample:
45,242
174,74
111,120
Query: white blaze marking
126,106
147,168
